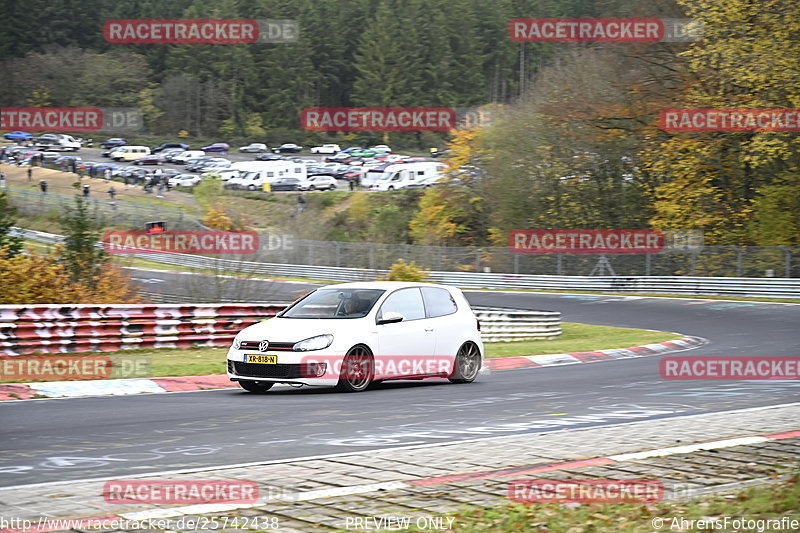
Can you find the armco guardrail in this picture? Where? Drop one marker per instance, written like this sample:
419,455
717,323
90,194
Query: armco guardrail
31,329
499,324
696,286
106,328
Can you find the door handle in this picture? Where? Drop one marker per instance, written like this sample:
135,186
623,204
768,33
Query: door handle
429,329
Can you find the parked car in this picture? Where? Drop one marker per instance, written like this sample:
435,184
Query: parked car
107,153
164,146
381,148
114,141
123,172
269,157
184,180
285,184
324,169
101,167
212,166
318,183
254,148
203,163
352,334
17,136
287,148
216,147
152,159
67,160
337,158
326,149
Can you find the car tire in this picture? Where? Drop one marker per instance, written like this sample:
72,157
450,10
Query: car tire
251,187
257,387
358,369
389,188
467,364
333,187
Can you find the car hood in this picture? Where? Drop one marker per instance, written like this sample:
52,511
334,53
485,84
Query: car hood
297,329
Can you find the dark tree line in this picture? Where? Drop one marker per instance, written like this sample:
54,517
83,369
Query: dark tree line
350,52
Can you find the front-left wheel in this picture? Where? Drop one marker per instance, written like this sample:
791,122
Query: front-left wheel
358,370
259,387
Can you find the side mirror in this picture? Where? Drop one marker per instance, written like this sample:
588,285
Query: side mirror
390,318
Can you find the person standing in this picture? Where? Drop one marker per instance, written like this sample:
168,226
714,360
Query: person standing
86,192
43,186
30,172
107,175
112,193
2,180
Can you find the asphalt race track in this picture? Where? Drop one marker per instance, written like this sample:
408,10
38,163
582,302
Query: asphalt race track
87,438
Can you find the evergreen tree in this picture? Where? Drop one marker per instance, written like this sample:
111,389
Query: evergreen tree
11,245
81,255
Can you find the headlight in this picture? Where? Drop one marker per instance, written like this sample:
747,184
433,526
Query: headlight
314,343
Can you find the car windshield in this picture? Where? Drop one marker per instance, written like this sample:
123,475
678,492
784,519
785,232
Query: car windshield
334,303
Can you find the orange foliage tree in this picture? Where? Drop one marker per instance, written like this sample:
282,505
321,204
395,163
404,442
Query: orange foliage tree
34,278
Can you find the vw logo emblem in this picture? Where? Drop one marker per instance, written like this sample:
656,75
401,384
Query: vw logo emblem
263,345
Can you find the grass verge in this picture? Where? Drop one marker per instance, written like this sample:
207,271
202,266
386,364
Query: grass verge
204,361
764,502
580,338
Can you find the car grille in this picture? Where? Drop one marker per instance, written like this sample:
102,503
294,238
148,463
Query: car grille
273,346
258,370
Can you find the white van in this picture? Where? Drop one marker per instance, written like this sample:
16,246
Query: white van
253,175
186,155
407,176
58,142
130,153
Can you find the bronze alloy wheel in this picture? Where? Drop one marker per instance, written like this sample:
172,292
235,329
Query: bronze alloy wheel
357,370
467,365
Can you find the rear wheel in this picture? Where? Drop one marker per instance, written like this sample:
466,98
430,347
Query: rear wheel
258,387
357,370
467,364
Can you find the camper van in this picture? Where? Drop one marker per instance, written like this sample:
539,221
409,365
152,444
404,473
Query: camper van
254,174
405,176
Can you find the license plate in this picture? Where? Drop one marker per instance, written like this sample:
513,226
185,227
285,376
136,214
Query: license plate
260,358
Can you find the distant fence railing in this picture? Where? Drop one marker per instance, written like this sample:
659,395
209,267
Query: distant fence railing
704,261
699,286
29,329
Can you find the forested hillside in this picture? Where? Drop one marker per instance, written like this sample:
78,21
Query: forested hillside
575,141
449,53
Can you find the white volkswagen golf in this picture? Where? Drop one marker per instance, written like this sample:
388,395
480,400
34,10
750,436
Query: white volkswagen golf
354,334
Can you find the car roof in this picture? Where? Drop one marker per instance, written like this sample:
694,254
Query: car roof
385,285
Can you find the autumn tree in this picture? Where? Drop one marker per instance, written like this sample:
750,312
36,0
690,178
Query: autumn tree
735,186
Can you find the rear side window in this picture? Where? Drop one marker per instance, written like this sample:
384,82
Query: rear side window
407,302
438,302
